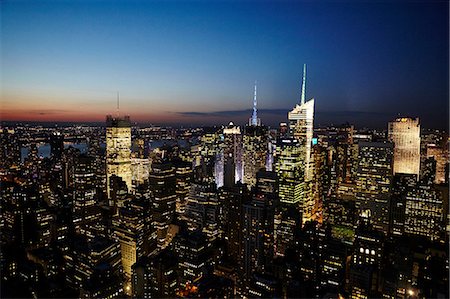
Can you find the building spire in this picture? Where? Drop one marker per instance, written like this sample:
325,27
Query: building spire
302,101
254,120
117,104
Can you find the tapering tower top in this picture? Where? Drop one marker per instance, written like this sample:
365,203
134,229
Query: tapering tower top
302,100
254,121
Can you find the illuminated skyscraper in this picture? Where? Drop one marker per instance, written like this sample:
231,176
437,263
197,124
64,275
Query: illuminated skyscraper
404,132
440,155
86,213
301,120
425,211
131,228
290,169
232,148
255,152
118,150
374,178
255,147
163,187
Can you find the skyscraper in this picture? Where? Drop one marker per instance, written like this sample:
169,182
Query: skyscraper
290,170
162,182
118,150
254,147
404,132
374,177
301,120
232,148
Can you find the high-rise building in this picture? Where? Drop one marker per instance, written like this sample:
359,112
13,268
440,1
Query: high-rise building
402,184
301,120
56,145
232,149
194,257
118,150
425,210
440,155
255,152
255,147
404,132
366,262
163,188
86,212
374,178
257,236
290,169
155,276
131,229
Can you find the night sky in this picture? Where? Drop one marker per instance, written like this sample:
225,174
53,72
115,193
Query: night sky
196,62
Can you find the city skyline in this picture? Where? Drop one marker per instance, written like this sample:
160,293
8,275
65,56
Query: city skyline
195,63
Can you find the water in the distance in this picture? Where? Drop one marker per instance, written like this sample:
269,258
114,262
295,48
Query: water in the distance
44,149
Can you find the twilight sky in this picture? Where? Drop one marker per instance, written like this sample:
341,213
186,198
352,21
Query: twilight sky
196,62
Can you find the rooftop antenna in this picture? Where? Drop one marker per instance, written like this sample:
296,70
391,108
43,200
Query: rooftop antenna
302,101
117,104
254,121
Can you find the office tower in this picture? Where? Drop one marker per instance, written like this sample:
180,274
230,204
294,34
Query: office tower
366,262
333,266
194,256
232,198
404,132
425,210
162,182
131,229
257,232
202,210
287,227
45,222
264,286
339,212
118,150
183,177
209,155
374,178
9,148
290,169
56,145
344,153
301,120
232,149
84,256
86,213
103,283
255,147
401,185
255,152
156,276
320,183
440,154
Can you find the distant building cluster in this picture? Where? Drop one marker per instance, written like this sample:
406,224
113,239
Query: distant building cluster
223,212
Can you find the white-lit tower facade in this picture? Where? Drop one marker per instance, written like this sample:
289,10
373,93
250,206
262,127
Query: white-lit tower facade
404,132
118,150
301,120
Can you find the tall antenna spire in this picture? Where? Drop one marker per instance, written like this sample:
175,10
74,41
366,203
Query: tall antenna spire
302,101
254,120
117,103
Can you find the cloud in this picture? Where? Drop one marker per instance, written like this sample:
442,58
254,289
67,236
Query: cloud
48,111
